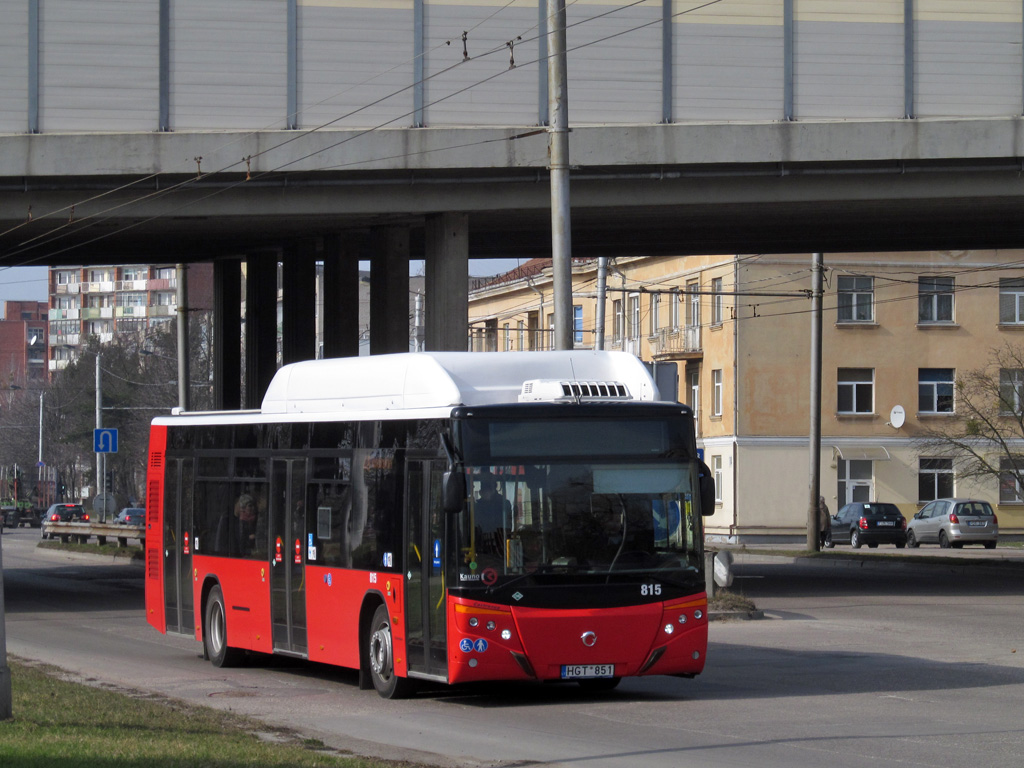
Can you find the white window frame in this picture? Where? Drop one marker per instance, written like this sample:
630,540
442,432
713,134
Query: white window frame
935,300
717,310
936,390
716,470
845,379
1011,301
1011,390
577,323
1011,490
617,320
716,392
856,299
935,472
633,316
655,312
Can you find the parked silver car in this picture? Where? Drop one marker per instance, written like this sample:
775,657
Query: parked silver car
953,523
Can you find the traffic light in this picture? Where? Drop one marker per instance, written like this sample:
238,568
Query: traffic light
108,481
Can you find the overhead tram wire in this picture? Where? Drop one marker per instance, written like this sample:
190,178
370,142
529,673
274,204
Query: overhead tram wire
359,134
70,207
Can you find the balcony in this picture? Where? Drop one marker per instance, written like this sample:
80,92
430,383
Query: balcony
97,313
131,311
67,288
677,344
64,314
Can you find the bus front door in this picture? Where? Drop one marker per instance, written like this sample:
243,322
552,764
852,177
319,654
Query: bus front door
287,552
426,636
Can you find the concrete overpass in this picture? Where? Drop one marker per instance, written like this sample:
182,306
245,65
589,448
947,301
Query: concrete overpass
344,130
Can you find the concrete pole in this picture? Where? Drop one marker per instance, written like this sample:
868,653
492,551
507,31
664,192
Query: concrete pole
558,148
183,362
6,705
817,268
100,478
602,290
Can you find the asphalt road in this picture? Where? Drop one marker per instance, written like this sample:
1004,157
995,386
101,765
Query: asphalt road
874,663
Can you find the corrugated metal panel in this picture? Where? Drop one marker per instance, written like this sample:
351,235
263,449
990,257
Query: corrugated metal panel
13,66
353,57
848,70
968,69
228,64
617,78
728,72
455,93
98,66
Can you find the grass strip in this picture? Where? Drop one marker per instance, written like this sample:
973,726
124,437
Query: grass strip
63,724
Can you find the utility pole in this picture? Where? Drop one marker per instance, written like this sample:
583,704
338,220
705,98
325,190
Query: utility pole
100,477
558,149
817,282
183,366
6,706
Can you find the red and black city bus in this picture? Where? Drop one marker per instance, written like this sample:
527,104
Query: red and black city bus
449,517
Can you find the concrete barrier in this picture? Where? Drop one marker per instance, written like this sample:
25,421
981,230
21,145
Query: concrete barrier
81,533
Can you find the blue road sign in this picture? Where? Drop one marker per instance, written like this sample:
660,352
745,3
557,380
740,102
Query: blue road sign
104,440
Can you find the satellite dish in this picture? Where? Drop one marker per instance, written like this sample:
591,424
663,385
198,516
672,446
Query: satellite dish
33,340
897,417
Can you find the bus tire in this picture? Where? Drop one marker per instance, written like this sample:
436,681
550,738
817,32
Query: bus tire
381,656
215,632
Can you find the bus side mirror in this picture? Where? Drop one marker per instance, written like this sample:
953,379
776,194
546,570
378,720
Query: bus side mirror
706,482
453,490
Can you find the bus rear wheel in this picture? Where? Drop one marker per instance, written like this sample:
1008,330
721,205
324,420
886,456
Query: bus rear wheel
215,636
382,658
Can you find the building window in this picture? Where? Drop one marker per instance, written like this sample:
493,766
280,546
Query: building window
1011,390
1010,487
134,273
673,310
166,299
935,480
132,299
935,390
65,302
935,299
551,331
856,390
633,318
99,276
577,323
65,277
716,392
617,320
655,311
164,273
1011,300
856,299
507,330
716,469
521,334
716,301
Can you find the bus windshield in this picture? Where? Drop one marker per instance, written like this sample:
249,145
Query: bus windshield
603,519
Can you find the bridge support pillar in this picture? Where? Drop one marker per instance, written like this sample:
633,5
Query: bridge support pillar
389,290
340,310
446,242
260,325
298,311
227,334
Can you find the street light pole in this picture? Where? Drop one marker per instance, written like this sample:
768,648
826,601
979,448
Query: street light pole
100,478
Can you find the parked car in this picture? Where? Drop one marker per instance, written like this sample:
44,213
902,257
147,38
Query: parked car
953,523
64,513
131,516
870,523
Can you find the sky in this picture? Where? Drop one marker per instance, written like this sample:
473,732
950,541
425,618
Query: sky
29,283
23,284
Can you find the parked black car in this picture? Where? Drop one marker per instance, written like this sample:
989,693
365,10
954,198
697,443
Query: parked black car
870,523
64,513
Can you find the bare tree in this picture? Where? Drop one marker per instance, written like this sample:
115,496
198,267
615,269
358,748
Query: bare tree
986,436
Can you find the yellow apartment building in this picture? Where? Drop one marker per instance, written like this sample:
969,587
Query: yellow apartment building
898,329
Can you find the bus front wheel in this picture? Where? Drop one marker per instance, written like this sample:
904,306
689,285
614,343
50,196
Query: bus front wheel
382,658
215,636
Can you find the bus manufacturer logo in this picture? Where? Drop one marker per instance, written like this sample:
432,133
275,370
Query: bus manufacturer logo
588,638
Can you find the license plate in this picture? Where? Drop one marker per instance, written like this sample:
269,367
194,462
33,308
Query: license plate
580,671
888,523
976,523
